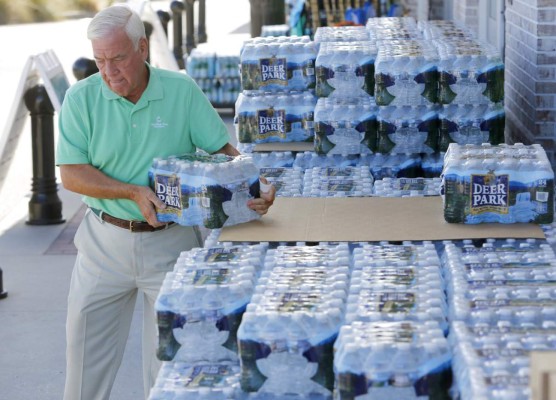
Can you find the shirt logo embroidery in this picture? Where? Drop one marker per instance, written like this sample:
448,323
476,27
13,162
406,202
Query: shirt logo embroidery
159,123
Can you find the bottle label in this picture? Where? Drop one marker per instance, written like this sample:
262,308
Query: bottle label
489,193
207,376
273,71
211,276
219,254
268,172
271,122
168,189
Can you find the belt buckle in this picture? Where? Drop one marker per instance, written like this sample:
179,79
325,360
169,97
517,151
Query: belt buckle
131,226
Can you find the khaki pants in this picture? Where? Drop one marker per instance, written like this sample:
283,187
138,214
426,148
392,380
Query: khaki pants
112,265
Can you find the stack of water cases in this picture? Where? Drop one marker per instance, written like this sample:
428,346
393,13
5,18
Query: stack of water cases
278,80
209,190
199,309
471,86
393,343
287,333
503,184
502,305
337,182
345,114
216,74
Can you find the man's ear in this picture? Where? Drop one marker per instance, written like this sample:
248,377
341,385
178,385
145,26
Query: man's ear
144,48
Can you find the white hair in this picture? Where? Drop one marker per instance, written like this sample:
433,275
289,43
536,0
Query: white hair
118,16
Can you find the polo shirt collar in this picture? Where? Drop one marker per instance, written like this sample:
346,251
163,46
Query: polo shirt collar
153,90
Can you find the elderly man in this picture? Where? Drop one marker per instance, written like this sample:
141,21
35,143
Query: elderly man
112,125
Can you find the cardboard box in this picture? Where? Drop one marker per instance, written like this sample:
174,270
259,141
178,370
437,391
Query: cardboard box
289,146
357,219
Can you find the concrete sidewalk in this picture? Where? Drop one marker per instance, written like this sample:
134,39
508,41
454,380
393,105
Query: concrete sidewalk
37,260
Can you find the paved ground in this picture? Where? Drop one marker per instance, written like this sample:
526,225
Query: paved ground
37,260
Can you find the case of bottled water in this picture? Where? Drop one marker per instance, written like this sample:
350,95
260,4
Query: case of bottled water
503,184
407,130
471,124
394,165
287,181
407,187
507,281
432,164
202,189
201,302
287,332
345,126
393,28
273,159
278,64
493,362
311,159
325,34
392,360
182,381
406,73
397,283
346,69
337,182
470,72
444,30
275,117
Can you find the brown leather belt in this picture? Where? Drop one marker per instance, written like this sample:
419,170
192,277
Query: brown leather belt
132,226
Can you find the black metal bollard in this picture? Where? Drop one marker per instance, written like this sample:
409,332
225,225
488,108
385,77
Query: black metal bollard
189,25
177,8
3,294
164,18
45,207
84,67
201,27
148,32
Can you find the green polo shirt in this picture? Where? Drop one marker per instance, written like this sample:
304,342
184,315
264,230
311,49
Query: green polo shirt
100,128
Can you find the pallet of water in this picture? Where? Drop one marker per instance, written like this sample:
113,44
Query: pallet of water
287,333
502,184
209,190
201,302
392,360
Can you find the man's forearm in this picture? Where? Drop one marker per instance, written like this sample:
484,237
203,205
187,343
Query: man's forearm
89,181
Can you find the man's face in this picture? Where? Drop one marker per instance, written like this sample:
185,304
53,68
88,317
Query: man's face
121,66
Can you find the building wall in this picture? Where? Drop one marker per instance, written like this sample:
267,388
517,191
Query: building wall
530,77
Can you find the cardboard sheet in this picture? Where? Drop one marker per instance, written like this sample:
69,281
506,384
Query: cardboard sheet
291,146
365,219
